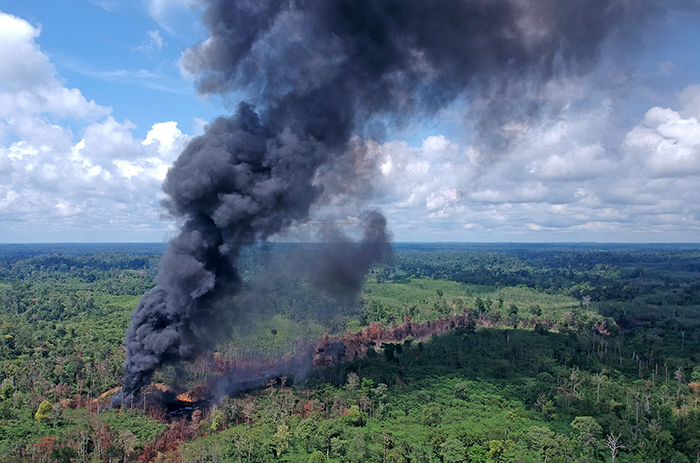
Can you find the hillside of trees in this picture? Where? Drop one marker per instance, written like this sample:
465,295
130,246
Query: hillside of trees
451,353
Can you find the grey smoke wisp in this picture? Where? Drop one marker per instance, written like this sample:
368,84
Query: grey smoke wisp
315,73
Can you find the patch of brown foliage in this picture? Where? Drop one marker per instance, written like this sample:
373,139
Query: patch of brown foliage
169,442
602,327
357,344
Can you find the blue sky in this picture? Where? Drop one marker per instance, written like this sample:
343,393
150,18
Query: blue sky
94,107
117,54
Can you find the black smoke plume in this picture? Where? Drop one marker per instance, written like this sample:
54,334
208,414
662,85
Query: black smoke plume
315,73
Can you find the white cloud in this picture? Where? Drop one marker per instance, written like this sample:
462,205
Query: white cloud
163,11
563,179
67,166
429,177
578,163
166,134
665,144
107,5
689,100
199,126
54,182
140,78
28,83
22,63
153,43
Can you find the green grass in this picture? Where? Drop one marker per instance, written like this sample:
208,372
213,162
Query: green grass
411,291
274,335
423,294
524,298
120,302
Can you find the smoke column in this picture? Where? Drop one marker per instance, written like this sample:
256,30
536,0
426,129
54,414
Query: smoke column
315,73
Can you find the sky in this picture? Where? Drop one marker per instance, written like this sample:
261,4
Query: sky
95,106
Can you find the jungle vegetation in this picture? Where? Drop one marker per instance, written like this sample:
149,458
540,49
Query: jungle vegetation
573,352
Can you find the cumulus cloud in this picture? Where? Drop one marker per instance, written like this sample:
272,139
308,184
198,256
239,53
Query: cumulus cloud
28,83
560,178
53,181
690,101
666,144
67,167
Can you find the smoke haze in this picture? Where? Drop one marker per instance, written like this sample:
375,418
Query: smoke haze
315,73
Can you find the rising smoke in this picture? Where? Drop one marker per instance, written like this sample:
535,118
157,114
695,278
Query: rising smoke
315,73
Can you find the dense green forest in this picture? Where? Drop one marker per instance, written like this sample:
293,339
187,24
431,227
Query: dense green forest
519,353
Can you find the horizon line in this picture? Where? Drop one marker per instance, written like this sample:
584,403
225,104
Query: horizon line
694,243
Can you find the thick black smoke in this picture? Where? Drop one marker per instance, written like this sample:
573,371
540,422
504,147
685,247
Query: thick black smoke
237,184
317,72
342,264
331,65
334,264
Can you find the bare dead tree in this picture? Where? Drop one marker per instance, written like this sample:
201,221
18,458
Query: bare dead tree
612,442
